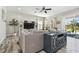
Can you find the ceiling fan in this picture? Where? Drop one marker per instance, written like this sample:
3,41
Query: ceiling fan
44,9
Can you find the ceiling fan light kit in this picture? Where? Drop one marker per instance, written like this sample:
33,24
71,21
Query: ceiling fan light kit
44,9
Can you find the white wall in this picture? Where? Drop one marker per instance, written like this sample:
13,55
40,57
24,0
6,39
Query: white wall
55,19
62,16
20,17
2,27
70,13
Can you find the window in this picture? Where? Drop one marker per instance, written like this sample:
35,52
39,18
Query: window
72,26
69,25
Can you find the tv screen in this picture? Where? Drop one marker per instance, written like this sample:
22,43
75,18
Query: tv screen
28,25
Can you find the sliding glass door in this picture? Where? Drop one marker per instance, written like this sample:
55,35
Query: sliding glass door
77,25
72,26
69,25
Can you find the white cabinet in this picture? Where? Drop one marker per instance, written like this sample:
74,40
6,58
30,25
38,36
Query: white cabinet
2,27
31,42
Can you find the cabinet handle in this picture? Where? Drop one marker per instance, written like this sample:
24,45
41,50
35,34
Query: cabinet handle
54,42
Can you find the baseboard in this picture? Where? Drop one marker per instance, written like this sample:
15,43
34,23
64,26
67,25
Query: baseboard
39,51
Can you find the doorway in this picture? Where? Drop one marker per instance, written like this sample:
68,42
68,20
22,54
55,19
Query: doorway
72,26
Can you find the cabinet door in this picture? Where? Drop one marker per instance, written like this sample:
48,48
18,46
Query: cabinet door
32,43
35,42
39,41
2,26
26,43
53,44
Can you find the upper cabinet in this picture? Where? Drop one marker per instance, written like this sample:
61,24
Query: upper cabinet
2,27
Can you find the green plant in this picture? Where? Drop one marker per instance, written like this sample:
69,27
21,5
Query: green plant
13,23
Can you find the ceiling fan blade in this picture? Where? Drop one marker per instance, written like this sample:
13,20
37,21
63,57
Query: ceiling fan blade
37,9
48,9
43,8
45,11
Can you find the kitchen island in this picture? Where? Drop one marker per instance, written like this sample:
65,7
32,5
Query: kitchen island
53,41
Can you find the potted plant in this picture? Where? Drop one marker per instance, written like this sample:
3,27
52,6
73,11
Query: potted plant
14,23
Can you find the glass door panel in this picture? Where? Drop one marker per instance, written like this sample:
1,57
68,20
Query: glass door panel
69,25
77,25
72,26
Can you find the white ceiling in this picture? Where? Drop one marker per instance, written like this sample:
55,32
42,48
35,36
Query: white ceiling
31,10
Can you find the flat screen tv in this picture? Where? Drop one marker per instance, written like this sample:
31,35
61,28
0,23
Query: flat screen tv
29,25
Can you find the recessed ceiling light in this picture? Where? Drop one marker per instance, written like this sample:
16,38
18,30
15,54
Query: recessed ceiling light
35,11
19,9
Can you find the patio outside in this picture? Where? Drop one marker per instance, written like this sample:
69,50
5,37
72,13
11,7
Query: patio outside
72,27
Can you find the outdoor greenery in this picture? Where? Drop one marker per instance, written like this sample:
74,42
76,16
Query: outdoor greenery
14,23
73,27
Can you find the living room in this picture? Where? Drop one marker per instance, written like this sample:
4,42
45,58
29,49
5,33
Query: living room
41,21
